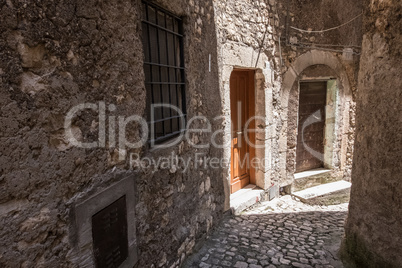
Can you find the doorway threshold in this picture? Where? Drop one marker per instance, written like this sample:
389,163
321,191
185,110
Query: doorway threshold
311,172
311,178
245,198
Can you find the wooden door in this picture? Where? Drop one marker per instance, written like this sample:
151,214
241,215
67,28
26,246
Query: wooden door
312,97
242,108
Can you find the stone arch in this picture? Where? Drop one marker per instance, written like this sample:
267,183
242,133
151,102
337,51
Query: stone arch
290,83
313,57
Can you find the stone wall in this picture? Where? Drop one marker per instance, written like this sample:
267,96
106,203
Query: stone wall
55,55
247,39
337,49
373,228
259,35
311,17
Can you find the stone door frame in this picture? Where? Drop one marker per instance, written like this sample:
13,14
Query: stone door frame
343,101
234,56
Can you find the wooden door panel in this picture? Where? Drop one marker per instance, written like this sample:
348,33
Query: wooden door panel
241,83
312,97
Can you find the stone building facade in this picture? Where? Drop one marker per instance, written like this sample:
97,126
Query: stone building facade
282,45
322,42
57,55
247,38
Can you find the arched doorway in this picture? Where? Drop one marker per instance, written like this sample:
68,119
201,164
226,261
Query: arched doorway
317,80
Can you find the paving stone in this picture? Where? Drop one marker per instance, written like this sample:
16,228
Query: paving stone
275,261
298,265
284,261
270,253
254,266
252,261
292,258
240,258
251,254
262,257
226,263
294,251
205,257
315,262
219,256
241,264
214,261
303,260
204,265
230,253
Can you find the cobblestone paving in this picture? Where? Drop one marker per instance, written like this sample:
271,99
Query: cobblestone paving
275,239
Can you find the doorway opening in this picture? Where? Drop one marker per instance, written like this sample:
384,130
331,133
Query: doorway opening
242,103
317,126
311,125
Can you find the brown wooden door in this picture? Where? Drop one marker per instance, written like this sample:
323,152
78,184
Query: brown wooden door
312,98
242,108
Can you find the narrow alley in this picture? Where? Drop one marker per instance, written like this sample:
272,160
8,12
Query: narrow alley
200,134
278,233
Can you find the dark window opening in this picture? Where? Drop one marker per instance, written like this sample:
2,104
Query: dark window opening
109,234
164,72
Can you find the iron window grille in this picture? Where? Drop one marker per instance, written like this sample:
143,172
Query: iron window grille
164,72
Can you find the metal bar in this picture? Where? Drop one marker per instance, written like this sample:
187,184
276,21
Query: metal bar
183,75
163,65
159,68
175,71
164,83
161,9
168,72
167,118
150,69
160,139
162,28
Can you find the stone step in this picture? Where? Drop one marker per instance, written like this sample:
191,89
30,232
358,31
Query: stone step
332,193
245,198
311,178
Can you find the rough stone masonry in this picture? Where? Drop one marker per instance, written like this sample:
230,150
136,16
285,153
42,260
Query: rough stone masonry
58,54
373,228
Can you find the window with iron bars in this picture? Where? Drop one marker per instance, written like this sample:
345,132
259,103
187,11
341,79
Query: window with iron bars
164,72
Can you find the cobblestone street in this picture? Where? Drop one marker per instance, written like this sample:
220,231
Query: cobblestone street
280,233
